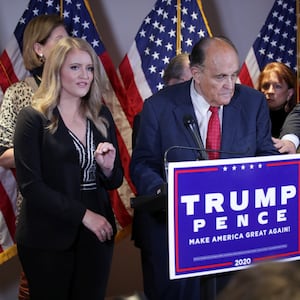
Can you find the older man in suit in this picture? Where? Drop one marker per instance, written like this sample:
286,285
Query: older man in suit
166,120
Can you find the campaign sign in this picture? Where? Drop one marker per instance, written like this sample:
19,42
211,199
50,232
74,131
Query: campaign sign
229,214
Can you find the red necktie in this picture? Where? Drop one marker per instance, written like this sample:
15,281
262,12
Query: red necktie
213,139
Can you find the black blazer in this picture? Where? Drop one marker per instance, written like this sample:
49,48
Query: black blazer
48,175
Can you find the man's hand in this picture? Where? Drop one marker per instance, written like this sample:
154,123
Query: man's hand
284,146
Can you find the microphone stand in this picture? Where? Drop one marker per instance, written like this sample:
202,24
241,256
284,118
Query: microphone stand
192,127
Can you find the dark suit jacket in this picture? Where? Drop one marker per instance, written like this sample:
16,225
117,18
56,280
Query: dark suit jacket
48,174
246,130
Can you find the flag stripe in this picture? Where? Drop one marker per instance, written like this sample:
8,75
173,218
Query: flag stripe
16,59
134,91
8,181
126,161
135,62
8,194
124,219
5,69
244,76
124,132
117,87
250,70
7,233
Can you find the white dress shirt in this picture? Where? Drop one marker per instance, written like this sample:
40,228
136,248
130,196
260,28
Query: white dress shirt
201,108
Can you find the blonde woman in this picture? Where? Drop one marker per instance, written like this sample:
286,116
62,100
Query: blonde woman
67,159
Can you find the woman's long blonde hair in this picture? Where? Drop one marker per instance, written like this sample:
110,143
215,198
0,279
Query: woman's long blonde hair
47,96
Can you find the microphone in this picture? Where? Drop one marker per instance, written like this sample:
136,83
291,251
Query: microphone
190,124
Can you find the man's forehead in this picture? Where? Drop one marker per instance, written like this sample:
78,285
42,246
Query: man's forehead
222,68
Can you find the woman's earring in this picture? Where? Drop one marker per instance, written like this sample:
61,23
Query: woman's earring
42,58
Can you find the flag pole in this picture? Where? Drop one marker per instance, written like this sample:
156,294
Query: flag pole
178,28
61,12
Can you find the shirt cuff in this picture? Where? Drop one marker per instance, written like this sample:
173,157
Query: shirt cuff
292,138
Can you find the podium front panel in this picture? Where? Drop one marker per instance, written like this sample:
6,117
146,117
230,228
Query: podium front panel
226,215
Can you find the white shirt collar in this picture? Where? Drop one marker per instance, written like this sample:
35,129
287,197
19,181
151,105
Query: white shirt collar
201,108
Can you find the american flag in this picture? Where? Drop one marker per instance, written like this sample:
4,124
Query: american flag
80,23
172,27
276,41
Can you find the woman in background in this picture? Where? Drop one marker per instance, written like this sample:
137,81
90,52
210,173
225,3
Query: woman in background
278,82
67,159
40,35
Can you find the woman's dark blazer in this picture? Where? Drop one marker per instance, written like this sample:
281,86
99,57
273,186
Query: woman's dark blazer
48,175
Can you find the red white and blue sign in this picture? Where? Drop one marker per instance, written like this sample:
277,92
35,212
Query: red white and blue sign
226,215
